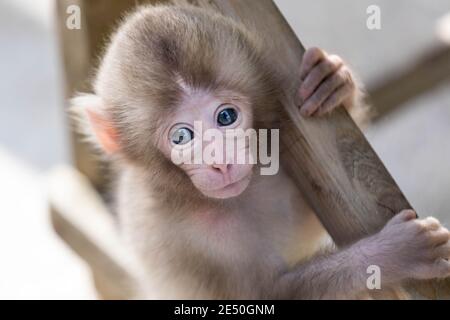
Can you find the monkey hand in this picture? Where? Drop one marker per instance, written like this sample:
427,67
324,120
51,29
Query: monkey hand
326,83
409,248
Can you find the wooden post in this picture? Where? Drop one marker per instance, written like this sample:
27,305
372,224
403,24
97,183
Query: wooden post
81,50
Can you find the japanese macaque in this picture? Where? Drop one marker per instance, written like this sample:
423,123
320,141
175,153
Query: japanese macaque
222,229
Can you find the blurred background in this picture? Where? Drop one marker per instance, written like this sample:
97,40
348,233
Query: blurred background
405,65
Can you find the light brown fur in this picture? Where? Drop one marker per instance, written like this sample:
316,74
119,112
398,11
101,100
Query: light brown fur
255,245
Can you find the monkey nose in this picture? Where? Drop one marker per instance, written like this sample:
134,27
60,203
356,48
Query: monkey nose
223,168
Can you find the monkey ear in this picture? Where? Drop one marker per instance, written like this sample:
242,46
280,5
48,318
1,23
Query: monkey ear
89,112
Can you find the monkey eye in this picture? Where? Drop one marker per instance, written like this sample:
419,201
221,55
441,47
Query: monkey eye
182,136
227,117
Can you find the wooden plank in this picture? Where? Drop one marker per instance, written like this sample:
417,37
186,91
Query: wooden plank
81,50
80,218
429,71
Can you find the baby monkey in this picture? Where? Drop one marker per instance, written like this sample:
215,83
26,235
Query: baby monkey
221,229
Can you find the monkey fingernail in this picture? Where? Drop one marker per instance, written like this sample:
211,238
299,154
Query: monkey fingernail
303,111
307,111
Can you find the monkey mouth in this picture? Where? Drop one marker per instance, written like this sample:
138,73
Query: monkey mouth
232,184
232,189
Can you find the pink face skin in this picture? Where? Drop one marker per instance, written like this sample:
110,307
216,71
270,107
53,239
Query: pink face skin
217,180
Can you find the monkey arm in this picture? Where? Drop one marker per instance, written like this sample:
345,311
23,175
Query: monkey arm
336,275
405,248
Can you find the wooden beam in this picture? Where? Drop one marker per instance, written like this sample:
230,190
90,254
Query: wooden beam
430,70
80,218
81,50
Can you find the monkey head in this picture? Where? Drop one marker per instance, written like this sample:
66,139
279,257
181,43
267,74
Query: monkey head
167,68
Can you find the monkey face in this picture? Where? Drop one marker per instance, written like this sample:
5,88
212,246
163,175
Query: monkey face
167,69
206,137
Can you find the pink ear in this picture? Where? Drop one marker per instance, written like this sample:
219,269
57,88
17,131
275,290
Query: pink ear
104,130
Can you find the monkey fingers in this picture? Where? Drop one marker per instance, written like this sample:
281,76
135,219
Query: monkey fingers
323,93
328,66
